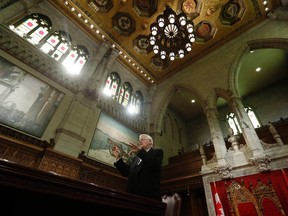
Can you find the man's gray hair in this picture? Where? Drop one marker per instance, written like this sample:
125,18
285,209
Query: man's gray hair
146,136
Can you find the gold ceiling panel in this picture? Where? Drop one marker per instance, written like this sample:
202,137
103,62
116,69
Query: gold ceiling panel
126,23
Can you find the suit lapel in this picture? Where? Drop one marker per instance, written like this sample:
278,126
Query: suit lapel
134,165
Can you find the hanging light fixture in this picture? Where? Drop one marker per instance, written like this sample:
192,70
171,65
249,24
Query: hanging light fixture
171,35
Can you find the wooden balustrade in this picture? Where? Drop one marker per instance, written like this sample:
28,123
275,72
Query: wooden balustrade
188,165
30,167
35,178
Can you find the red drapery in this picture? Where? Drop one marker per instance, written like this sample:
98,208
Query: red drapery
285,176
276,177
246,209
269,208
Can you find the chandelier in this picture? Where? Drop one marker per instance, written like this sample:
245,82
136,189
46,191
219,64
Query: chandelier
171,35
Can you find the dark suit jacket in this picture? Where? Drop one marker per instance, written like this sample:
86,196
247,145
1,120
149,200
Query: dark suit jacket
143,179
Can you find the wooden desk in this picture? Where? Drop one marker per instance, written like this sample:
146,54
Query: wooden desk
27,190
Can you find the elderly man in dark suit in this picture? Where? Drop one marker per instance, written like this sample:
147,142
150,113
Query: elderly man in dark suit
144,172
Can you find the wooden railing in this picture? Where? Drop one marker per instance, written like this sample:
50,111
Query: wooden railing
20,151
188,165
31,152
33,174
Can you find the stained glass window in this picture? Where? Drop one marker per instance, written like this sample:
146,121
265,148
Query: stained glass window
136,103
125,94
57,44
76,59
33,27
111,85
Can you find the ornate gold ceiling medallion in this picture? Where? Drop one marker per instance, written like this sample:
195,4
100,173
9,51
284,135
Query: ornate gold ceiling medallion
159,64
205,31
231,12
142,45
145,8
101,5
123,23
192,8
213,26
89,20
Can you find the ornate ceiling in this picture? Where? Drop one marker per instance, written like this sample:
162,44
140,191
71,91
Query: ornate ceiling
125,25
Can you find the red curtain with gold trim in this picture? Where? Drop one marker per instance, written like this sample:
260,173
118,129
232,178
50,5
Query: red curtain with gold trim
276,177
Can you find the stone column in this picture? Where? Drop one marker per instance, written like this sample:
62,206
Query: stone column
110,61
97,60
237,158
275,134
95,79
233,139
217,136
147,108
247,127
203,155
75,132
16,9
90,82
223,168
258,159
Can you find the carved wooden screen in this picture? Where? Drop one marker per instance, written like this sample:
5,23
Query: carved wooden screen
241,200
267,199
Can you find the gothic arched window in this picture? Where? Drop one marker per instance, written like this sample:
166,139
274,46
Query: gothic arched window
57,44
136,103
76,59
252,116
33,27
234,124
124,94
112,84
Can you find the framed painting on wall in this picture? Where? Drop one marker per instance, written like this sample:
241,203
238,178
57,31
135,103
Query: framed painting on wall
26,103
109,133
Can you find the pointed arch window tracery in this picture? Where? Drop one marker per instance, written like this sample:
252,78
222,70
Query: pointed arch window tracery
112,84
124,94
57,44
234,124
33,27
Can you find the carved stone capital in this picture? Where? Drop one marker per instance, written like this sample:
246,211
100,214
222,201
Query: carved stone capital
224,171
261,163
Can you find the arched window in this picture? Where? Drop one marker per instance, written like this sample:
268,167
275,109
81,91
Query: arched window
76,59
136,103
234,124
33,27
124,94
112,84
36,26
57,44
252,117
